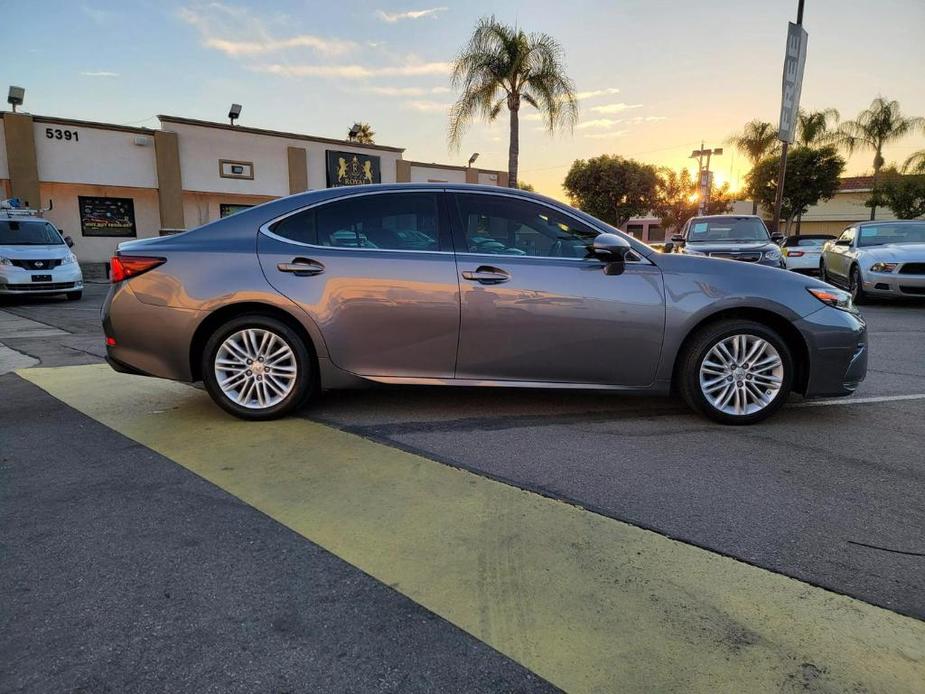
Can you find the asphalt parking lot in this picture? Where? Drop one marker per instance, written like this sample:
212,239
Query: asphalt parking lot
137,560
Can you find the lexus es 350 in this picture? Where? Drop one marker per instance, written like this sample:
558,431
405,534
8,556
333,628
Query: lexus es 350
463,285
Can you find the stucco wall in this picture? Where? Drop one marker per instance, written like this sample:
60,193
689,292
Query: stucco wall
423,174
201,208
102,157
4,166
66,216
201,148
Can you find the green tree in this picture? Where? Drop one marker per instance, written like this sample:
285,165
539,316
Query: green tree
915,164
812,175
612,188
502,66
905,195
815,128
676,198
523,185
757,141
875,127
365,135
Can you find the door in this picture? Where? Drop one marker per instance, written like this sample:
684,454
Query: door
534,307
377,274
838,259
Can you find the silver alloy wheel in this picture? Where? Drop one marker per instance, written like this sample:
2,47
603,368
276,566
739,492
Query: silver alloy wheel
255,368
741,374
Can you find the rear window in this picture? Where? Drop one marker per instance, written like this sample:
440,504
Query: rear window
812,243
728,229
28,233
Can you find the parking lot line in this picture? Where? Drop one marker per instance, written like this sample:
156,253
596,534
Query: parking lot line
588,602
859,401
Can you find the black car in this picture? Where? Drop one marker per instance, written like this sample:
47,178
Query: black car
735,237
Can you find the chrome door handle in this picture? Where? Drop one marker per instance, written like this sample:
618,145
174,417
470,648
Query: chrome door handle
302,267
486,274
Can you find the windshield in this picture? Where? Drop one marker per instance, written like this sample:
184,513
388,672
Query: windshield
729,229
879,234
28,233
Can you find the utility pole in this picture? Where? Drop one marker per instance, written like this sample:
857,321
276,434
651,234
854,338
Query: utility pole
704,176
794,62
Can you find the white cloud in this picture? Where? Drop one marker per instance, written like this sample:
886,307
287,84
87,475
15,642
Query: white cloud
355,71
99,73
596,92
600,123
606,136
406,91
428,106
392,17
614,108
236,32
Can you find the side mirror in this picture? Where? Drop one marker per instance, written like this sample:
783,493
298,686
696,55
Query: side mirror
843,242
69,241
678,239
610,246
777,237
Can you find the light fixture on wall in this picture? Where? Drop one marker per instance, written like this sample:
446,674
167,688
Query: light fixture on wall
15,97
475,155
234,113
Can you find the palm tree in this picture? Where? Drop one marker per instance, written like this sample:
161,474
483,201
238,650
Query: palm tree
503,66
874,128
362,133
757,140
814,127
915,164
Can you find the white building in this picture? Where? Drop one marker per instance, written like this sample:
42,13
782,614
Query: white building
109,183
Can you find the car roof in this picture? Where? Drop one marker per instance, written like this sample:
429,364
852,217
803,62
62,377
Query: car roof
797,237
901,222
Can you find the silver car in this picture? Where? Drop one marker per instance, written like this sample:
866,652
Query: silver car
877,259
466,286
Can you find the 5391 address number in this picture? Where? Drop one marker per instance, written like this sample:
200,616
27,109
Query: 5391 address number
59,134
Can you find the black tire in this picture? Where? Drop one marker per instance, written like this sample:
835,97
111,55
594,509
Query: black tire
74,296
306,372
699,346
856,287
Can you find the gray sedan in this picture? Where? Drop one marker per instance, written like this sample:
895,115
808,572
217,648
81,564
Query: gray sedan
466,286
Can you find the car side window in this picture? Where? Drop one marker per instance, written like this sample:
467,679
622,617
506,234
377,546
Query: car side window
500,225
847,235
389,221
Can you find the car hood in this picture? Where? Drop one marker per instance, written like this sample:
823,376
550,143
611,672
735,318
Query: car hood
727,246
900,252
49,251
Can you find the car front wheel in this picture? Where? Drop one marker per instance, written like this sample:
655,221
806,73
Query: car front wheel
256,367
856,286
736,372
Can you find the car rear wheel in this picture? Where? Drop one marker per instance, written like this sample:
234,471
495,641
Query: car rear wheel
256,367
736,372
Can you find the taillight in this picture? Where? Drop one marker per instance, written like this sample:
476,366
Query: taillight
125,266
794,254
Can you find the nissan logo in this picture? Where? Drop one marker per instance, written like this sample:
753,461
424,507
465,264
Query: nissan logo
39,263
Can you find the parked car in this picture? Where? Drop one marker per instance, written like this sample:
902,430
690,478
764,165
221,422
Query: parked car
35,258
276,303
877,259
733,237
802,253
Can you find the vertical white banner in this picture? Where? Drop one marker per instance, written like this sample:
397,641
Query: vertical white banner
794,62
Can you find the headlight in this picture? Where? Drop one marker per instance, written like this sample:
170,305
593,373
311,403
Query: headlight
883,267
5,261
835,298
688,251
772,254
69,258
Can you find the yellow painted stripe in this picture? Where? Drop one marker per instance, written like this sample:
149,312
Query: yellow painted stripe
587,602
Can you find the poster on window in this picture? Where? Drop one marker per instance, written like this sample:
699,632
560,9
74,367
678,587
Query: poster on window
352,169
107,216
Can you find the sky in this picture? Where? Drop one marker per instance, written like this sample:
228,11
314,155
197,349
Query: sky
654,78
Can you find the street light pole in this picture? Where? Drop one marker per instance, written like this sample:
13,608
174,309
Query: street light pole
785,146
704,180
